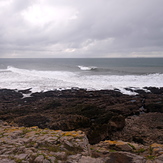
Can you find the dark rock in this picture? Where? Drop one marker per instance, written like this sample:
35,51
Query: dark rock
70,122
33,120
9,95
138,139
26,91
90,111
101,114
155,107
96,133
155,90
105,117
52,105
117,122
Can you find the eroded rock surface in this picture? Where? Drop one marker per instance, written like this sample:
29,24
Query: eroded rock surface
35,145
31,144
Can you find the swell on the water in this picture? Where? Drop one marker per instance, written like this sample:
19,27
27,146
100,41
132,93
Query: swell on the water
15,78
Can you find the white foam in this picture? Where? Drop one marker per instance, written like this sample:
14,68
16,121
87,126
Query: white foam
20,79
84,68
26,95
46,74
4,70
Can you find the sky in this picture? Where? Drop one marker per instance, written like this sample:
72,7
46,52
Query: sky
81,28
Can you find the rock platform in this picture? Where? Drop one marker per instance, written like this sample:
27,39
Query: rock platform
101,117
35,145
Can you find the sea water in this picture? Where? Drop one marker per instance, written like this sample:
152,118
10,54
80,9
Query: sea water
88,73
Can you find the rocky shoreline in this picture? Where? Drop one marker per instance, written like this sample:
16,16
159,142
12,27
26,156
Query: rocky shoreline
102,115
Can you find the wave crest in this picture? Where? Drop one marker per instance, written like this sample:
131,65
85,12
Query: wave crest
61,75
85,68
47,80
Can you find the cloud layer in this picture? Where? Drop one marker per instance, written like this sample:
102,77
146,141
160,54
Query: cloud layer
70,28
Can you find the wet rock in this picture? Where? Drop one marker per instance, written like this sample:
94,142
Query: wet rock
96,133
8,95
35,120
155,107
155,90
100,114
117,122
26,91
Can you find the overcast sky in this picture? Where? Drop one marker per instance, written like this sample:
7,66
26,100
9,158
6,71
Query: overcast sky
81,28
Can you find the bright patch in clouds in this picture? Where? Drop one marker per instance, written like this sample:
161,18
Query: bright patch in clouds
4,3
70,50
41,15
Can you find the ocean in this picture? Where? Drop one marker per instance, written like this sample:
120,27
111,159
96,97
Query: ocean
88,73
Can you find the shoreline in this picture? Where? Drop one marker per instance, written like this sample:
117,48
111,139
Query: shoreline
100,114
113,126
129,90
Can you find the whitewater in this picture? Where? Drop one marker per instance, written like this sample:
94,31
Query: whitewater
82,76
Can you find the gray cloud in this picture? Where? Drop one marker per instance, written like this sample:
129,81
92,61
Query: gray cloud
96,28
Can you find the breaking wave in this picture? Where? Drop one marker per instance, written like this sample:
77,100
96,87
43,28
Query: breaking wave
15,78
85,68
